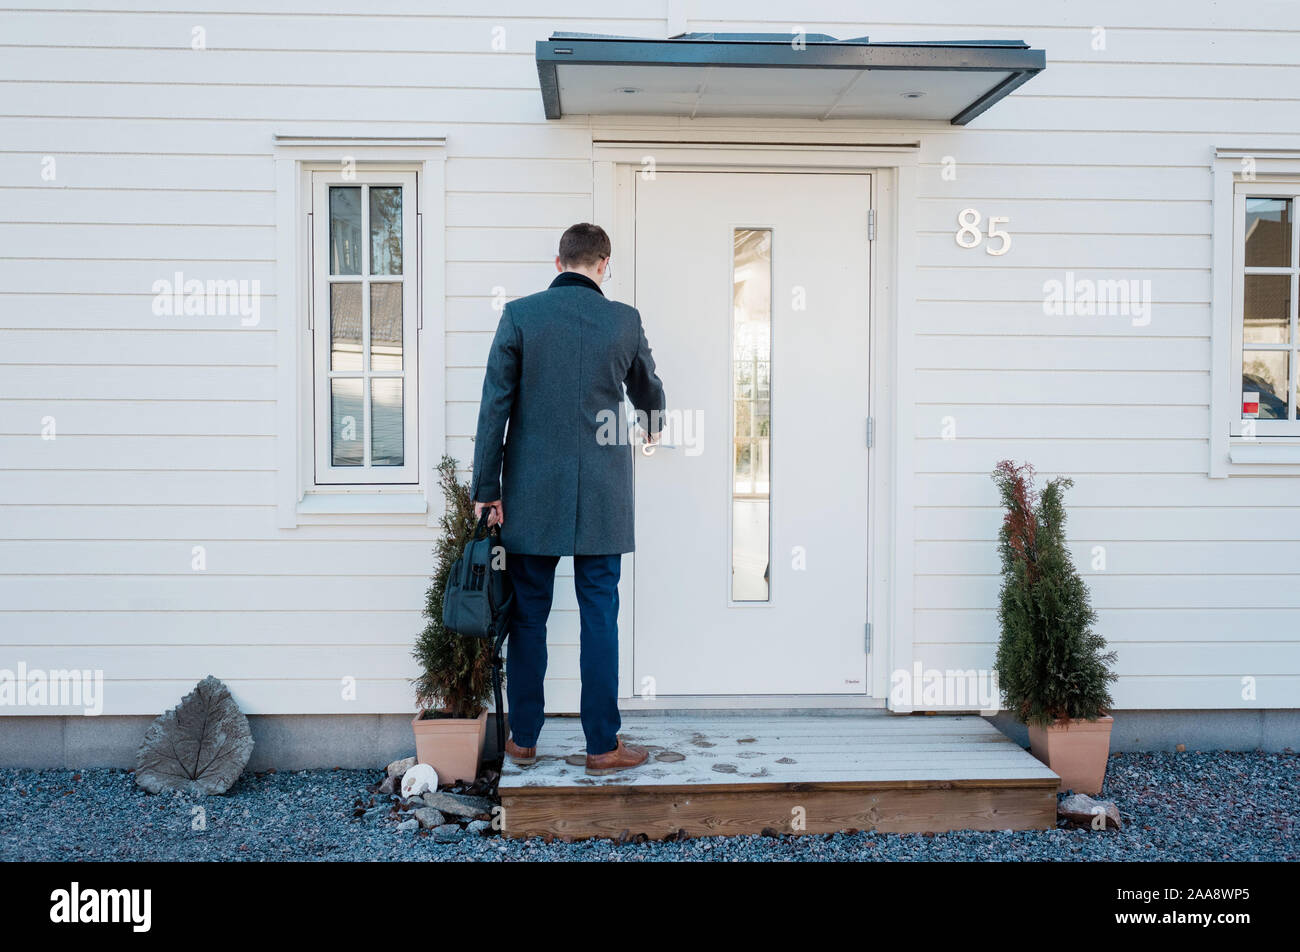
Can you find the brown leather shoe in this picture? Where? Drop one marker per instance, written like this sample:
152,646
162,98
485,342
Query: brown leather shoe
622,757
523,756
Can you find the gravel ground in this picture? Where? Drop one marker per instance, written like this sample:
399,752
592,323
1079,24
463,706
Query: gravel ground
1189,806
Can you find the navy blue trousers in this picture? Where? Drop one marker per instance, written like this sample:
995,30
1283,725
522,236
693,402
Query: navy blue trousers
595,577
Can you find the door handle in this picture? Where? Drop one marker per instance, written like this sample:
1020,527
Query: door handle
648,449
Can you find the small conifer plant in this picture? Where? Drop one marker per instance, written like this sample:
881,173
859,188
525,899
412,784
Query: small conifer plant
457,671
1052,665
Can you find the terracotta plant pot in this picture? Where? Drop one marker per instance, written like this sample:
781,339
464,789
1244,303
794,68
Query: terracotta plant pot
1076,750
453,746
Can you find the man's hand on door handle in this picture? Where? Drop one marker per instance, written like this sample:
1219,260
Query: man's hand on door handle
648,442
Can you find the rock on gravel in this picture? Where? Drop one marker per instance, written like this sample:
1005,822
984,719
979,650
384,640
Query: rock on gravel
478,826
458,804
429,818
448,833
1081,809
397,768
411,824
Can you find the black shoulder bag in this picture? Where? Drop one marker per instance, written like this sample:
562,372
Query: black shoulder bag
477,603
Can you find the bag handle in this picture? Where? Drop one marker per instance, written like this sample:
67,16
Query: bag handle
468,571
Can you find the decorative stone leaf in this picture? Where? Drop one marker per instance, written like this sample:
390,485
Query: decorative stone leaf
201,746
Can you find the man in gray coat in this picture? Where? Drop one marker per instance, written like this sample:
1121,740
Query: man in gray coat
559,366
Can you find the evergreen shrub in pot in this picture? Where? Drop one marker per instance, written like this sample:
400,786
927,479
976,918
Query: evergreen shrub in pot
1053,667
456,681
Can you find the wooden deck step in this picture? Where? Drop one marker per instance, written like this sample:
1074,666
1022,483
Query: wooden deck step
793,773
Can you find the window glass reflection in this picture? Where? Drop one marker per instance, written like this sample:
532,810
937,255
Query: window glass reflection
1264,377
385,230
345,230
751,414
1268,233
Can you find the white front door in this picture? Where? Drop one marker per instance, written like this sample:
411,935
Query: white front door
751,519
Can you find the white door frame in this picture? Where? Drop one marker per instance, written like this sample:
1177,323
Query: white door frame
615,163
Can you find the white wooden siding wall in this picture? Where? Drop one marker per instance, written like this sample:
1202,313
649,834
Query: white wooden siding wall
166,425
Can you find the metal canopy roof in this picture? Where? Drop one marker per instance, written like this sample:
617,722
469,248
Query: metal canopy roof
772,75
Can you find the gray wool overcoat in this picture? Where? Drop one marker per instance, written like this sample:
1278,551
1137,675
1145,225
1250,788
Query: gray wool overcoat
557,371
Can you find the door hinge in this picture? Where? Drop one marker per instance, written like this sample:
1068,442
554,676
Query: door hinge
868,638
871,431
871,224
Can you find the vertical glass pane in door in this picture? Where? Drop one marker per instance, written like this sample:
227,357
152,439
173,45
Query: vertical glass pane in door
386,326
751,334
345,229
345,326
347,422
386,421
386,230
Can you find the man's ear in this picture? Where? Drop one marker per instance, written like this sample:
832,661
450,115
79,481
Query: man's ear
558,265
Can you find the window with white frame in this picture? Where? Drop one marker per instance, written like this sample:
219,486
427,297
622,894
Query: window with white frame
364,286
1266,345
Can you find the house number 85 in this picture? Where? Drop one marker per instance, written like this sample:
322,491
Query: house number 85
968,234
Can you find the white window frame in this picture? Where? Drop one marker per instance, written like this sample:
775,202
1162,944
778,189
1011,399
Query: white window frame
1244,190
1270,447
301,498
319,321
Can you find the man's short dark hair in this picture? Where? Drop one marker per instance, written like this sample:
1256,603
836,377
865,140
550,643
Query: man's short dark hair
582,245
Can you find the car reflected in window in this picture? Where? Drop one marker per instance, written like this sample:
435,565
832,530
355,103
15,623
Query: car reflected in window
1271,406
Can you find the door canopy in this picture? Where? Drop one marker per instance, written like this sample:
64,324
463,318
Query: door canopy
779,75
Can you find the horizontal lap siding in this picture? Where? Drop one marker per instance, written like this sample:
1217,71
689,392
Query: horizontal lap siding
166,427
